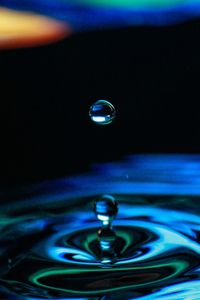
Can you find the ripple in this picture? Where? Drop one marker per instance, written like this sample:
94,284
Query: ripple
52,251
151,251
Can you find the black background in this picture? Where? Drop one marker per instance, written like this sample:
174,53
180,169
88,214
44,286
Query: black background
150,74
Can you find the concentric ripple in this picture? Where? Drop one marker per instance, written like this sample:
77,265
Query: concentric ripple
49,243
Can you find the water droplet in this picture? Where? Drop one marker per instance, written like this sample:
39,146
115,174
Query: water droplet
106,209
102,112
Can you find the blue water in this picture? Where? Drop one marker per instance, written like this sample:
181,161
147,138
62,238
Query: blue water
50,246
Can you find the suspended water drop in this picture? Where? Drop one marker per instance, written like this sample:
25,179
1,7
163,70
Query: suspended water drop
106,209
102,112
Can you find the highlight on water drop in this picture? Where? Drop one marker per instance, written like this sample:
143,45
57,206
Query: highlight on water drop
102,112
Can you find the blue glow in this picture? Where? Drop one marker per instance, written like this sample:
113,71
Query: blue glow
83,16
145,176
183,291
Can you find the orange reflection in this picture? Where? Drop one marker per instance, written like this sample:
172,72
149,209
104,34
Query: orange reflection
18,29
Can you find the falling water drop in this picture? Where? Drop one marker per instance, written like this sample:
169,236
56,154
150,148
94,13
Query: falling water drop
106,209
102,112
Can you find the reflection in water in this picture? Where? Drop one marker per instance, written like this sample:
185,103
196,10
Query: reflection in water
53,246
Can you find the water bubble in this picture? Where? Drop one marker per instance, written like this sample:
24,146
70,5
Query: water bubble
106,209
102,112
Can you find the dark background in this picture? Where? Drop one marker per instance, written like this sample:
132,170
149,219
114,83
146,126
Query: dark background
150,74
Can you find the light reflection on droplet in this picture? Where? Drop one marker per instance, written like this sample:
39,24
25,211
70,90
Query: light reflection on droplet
102,112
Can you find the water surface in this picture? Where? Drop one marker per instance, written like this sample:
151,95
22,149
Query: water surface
49,233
